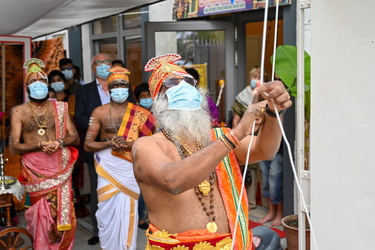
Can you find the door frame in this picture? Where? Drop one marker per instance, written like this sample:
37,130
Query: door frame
231,77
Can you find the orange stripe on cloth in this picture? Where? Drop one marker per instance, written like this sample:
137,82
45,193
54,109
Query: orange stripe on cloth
229,181
131,223
192,239
118,185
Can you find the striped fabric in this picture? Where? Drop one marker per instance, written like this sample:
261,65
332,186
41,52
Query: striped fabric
230,180
137,122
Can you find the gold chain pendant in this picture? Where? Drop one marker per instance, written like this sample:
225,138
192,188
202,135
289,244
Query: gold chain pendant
204,187
41,132
211,227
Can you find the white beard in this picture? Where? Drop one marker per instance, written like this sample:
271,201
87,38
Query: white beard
191,125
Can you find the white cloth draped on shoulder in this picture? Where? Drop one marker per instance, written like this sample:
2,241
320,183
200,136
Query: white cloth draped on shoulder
118,194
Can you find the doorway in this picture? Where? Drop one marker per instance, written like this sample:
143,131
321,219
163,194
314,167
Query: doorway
208,43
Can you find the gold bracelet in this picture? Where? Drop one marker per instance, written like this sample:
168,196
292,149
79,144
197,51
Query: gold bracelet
226,144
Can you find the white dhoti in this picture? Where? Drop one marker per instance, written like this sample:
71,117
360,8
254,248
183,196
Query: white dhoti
118,194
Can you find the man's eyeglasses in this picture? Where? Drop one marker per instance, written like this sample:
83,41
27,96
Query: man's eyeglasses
66,68
100,62
175,81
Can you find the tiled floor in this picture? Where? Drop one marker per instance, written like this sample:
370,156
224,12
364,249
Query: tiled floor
84,229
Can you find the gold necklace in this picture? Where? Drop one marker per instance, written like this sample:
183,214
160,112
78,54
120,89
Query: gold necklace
43,126
204,188
111,119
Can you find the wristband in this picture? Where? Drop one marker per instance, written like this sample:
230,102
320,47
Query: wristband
61,143
273,114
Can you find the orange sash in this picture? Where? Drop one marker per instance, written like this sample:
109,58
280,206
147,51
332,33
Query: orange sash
137,122
229,181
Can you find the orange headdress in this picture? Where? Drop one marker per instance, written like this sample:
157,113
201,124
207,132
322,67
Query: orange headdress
163,66
34,66
118,73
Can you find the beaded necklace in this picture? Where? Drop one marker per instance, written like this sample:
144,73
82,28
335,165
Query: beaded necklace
205,188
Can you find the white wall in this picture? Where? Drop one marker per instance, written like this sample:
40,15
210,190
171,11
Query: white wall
86,53
161,12
342,124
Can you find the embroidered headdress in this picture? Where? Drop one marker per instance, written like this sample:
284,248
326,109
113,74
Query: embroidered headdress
118,73
163,67
34,66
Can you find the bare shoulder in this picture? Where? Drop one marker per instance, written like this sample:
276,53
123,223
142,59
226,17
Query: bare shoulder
101,110
154,144
19,110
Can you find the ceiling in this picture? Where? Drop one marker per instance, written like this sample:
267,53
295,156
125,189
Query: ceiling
41,17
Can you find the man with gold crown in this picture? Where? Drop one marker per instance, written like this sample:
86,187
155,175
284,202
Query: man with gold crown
41,131
189,173
118,124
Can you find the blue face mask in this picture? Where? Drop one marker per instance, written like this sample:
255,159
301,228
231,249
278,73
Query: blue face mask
38,90
68,74
119,95
253,84
58,86
184,97
101,71
146,102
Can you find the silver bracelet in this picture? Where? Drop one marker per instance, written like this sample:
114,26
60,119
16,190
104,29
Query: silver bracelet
61,143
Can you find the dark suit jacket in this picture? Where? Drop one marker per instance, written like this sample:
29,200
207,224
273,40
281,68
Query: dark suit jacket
87,99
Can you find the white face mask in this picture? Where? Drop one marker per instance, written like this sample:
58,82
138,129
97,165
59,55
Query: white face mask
184,97
58,86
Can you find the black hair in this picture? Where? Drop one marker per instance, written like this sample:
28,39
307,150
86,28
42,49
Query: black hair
78,69
193,72
143,87
118,61
65,61
55,73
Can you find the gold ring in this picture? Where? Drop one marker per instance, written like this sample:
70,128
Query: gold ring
289,97
263,111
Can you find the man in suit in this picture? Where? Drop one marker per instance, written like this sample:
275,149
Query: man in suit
89,97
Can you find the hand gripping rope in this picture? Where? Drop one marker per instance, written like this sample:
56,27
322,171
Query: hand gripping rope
280,125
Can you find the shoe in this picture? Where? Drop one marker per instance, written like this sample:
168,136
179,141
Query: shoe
143,226
93,241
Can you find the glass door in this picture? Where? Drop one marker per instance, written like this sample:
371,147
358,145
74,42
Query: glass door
208,44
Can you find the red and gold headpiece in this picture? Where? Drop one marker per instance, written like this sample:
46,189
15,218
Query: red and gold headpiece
163,66
34,66
118,73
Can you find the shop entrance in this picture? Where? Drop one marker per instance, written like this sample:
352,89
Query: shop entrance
206,44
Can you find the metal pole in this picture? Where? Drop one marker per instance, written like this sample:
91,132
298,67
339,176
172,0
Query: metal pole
300,122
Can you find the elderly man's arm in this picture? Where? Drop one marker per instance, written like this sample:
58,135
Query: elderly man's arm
266,144
154,166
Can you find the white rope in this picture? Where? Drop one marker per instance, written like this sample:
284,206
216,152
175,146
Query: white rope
243,185
280,125
295,176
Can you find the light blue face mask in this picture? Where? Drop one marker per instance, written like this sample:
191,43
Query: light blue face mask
184,97
38,90
146,102
68,74
101,71
58,86
119,95
253,84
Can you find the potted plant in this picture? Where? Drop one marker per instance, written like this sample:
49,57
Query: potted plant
286,70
